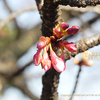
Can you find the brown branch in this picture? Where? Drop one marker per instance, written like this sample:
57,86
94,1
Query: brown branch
50,79
82,46
39,5
95,9
14,20
79,3
19,82
50,16
13,15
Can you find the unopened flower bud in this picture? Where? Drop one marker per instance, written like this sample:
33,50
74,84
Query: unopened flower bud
46,40
70,47
37,58
57,62
64,26
57,32
72,30
41,45
46,62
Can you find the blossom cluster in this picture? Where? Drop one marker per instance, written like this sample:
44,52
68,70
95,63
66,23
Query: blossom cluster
45,48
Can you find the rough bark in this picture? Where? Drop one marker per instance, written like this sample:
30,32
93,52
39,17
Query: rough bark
79,3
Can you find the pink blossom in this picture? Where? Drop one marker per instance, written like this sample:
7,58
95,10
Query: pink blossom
57,32
72,30
57,62
64,25
70,46
37,58
46,40
41,45
46,62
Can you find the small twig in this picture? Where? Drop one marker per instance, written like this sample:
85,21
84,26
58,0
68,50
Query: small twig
82,46
15,22
13,15
19,82
77,78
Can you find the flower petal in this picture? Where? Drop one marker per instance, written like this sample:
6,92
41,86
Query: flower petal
46,62
70,46
57,62
41,45
37,58
57,32
64,25
46,40
72,30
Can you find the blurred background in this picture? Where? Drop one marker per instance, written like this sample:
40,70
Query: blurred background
19,78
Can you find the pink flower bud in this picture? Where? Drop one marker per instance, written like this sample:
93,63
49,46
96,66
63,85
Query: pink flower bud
46,40
64,26
69,31
57,32
46,62
75,29
37,58
41,45
57,62
72,30
70,47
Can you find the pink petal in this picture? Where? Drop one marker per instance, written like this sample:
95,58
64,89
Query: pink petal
46,40
46,62
57,32
64,26
37,58
41,45
75,29
72,30
57,62
70,47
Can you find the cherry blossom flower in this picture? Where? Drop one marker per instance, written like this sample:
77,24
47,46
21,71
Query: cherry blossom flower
46,62
37,58
57,62
45,44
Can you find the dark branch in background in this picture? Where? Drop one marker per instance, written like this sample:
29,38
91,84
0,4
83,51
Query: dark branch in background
79,3
14,15
77,78
15,22
19,82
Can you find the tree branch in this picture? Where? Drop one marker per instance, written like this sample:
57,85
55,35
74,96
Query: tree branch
50,79
15,22
19,82
50,16
95,9
13,15
76,82
79,3
39,5
82,46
